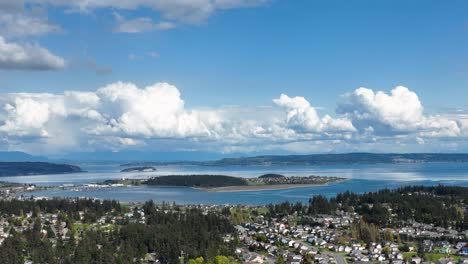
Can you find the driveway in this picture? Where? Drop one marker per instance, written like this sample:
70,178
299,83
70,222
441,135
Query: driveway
339,258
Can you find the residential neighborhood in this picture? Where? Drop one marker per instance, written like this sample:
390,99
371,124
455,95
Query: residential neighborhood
282,233
325,242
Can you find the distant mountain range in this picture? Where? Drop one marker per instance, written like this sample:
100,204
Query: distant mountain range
35,168
131,159
319,159
339,159
141,156
19,156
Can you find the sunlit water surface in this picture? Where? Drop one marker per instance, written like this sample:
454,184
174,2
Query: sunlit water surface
362,178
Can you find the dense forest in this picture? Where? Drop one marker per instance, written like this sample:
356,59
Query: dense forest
204,181
166,234
438,205
35,168
92,209
213,181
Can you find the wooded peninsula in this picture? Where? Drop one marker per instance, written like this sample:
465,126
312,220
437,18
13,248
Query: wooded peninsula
223,183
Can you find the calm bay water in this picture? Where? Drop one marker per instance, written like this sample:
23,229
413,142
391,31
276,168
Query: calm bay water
363,178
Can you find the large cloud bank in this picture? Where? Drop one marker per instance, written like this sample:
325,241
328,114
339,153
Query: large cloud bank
122,115
303,117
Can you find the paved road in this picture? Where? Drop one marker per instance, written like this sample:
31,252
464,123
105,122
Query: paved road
339,258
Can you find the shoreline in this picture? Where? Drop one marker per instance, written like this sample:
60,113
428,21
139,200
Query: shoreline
240,188
252,188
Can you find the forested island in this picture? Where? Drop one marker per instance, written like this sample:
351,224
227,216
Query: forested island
223,183
35,168
140,169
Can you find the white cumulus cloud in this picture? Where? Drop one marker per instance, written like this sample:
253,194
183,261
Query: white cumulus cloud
26,117
301,115
26,56
401,111
154,111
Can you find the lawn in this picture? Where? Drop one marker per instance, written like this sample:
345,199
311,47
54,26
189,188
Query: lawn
434,257
83,227
409,254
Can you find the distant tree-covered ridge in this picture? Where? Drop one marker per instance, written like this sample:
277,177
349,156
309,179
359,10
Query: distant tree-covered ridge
35,168
336,159
16,156
318,159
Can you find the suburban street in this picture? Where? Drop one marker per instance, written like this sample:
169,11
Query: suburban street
339,258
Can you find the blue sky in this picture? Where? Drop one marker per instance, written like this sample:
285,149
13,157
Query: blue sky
243,54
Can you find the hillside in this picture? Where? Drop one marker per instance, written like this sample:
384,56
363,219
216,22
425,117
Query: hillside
35,168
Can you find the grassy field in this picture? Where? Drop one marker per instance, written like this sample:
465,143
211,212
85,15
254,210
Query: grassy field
434,257
409,254
8,184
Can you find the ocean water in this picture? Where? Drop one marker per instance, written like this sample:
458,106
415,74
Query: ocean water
362,178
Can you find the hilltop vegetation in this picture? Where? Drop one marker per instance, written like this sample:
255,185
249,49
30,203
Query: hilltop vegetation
271,175
203,181
35,168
